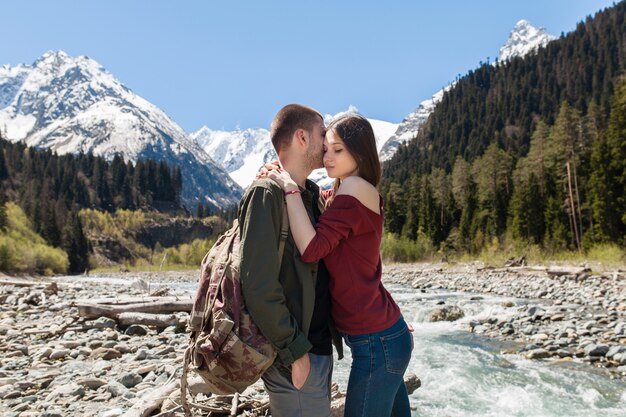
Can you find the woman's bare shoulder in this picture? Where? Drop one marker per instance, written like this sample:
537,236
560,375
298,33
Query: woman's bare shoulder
362,190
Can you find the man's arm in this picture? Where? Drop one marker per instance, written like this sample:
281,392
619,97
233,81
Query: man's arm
260,218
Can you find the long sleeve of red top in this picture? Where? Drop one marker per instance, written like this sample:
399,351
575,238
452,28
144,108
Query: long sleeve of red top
347,237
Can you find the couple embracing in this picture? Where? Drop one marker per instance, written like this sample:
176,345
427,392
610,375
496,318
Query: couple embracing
328,285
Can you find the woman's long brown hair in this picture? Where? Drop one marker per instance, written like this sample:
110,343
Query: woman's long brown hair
357,134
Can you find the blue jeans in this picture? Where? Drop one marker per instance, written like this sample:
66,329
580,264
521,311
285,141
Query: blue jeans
376,384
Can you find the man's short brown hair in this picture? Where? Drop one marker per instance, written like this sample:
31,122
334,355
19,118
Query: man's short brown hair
289,119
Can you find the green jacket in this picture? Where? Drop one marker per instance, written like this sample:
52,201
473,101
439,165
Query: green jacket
280,302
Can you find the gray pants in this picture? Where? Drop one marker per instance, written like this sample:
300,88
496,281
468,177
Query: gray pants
312,400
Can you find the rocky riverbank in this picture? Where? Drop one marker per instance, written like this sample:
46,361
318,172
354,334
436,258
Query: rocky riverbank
55,363
569,314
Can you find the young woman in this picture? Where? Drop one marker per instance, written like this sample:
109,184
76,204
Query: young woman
347,237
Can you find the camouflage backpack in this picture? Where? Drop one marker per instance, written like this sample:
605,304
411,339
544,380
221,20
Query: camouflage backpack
226,348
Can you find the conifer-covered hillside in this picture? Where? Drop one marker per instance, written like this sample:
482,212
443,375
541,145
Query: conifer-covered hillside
531,149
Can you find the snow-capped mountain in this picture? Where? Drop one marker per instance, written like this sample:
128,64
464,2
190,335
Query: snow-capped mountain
524,38
407,129
242,152
73,105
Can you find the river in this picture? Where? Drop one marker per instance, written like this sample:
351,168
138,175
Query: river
467,375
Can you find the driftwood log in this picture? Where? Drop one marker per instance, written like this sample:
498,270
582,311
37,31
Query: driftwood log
154,306
23,283
160,312
557,271
157,320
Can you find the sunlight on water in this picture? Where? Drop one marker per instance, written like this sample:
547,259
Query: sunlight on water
465,375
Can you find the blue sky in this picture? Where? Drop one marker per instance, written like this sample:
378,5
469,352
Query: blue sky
228,64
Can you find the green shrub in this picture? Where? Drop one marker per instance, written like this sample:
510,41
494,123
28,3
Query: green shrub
395,249
22,250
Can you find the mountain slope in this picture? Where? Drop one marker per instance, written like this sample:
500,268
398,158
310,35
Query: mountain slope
523,39
73,105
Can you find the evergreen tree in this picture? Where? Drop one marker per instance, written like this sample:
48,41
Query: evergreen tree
608,177
492,173
3,212
75,243
395,215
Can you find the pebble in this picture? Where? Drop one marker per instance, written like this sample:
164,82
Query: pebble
136,330
129,380
105,353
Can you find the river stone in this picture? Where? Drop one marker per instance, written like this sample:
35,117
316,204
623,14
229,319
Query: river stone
540,337
614,350
111,334
447,313
59,354
130,379
596,350
24,385
146,369
116,389
21,407
564,353
165,351
122,348
65,390
141,355
70,344
53,413
7,381
508,330
20,348
110,344
114,412
136,330
105,353
537,354
11,395
535,312
104,323
91,383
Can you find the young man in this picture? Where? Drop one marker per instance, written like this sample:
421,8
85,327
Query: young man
291,306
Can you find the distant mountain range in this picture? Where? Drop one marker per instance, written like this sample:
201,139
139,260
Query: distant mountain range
73,105
241,152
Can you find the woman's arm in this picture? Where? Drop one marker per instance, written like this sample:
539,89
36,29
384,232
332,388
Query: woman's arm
301,228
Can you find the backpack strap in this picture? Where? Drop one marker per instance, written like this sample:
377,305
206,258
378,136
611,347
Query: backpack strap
284,232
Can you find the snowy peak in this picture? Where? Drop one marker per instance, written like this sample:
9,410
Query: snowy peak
241,152
524,38
73,105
